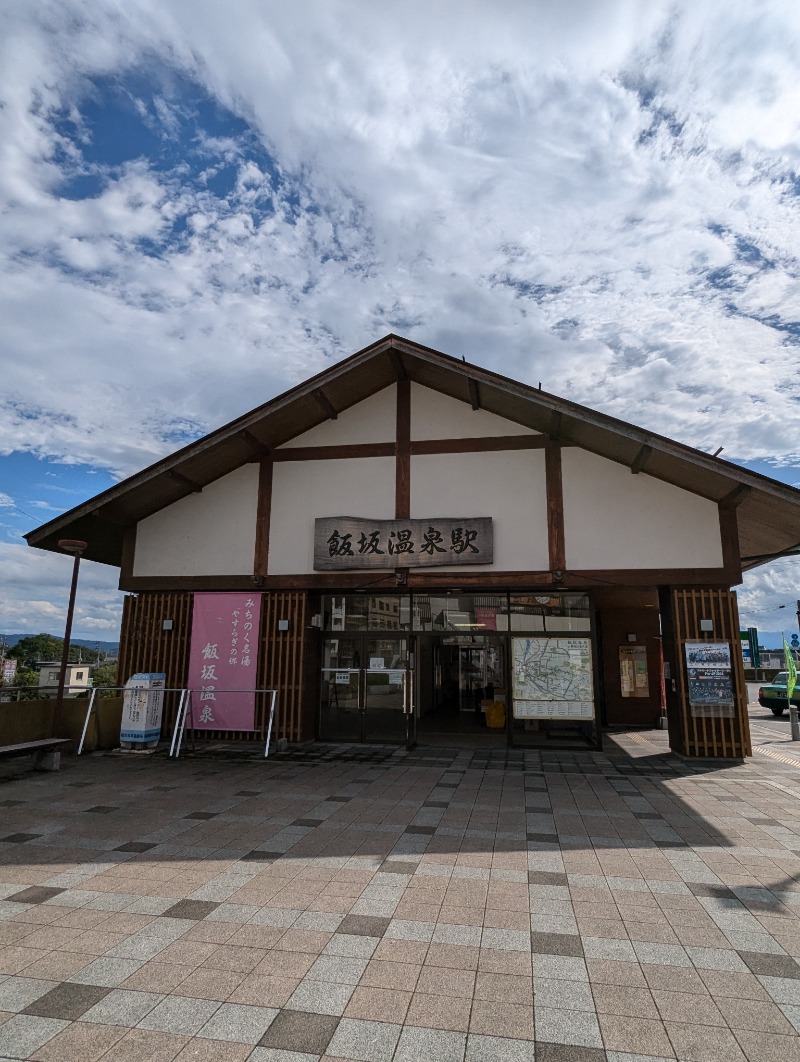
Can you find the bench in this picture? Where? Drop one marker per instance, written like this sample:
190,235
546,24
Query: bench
46,752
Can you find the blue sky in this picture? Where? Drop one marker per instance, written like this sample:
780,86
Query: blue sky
202,206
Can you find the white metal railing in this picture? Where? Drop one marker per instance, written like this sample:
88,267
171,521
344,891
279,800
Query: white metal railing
185,711
37,693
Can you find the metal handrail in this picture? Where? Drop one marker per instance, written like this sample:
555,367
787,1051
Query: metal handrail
185,710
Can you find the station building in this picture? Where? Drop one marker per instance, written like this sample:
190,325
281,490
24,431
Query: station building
410,548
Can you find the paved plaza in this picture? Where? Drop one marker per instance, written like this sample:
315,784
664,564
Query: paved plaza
372,904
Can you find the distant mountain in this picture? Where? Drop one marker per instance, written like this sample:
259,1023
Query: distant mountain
111,648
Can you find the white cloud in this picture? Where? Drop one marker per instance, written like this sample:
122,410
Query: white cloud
603,197
36,592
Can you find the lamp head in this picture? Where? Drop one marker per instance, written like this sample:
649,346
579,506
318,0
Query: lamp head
72,545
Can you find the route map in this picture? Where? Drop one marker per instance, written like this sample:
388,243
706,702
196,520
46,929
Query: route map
553,678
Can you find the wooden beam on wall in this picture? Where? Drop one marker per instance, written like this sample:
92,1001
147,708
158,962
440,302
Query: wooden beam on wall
261,558
259,448
556,542
128,553
402,503
184,481
638,463
555,425
729,538
325,404
478,445
339,452
733,499
474,393
397,364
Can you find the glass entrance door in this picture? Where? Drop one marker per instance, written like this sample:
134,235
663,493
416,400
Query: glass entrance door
366,692
340,706
386,690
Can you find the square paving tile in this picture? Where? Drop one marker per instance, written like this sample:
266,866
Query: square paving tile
547,877
769,965
68,1001
500,1049
702,1044
180,1014
16,993
135,846
635,1036
238,1023
364,925
364,1041
122,1007
35,894
300,1032
556,944
80,1042
107,972
23,1034
434,1044
577,1028
193,909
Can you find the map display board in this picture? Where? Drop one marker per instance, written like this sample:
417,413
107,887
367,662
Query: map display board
552,678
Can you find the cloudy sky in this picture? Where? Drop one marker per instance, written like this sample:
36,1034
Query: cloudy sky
201,204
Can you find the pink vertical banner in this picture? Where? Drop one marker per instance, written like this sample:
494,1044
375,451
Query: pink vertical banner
224,656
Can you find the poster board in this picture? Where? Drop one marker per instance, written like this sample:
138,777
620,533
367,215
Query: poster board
709,675
633,677
552,678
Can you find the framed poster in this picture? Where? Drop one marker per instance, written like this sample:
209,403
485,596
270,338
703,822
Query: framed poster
552,678
709,676
633,677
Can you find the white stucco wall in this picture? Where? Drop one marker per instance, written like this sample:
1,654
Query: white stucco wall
211,533
370,421
507,485
437,416
304,490
613,519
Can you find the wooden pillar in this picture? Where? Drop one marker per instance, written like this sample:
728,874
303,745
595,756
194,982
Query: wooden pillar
692,733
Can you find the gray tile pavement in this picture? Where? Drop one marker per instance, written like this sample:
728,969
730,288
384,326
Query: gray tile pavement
381,906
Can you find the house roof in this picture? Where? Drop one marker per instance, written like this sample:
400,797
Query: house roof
768,511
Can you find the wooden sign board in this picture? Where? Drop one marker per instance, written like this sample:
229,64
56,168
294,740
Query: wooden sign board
343,542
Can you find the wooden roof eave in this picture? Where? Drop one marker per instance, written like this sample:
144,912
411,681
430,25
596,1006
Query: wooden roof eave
250,436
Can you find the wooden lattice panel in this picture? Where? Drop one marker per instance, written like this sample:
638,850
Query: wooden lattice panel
710,737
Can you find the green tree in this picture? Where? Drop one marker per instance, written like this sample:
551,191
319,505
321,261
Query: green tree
106,675
28,678
36,647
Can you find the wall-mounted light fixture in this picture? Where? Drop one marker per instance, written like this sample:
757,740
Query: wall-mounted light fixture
283,625
167,625
706,625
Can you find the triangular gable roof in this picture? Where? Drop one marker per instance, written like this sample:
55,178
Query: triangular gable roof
768,511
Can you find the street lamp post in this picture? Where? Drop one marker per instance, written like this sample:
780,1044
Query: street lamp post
76,548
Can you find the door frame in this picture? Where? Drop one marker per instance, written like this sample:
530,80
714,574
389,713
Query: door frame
362,671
